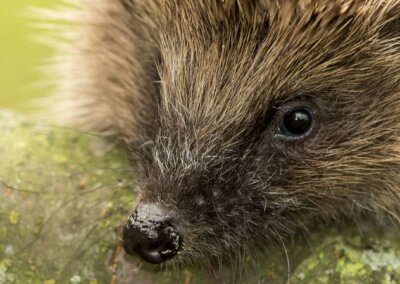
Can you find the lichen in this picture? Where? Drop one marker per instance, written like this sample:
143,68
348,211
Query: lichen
13,217
5,275
377,260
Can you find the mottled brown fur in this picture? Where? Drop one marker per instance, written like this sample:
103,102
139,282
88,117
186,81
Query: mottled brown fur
197,89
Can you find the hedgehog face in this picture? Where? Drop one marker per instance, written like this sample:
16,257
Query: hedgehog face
248,119
261,127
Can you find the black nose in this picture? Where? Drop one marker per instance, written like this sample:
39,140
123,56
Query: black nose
150,234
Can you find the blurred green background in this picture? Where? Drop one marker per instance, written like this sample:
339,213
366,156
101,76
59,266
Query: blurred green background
20,56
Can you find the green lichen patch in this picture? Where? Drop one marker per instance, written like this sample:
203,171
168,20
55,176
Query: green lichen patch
61,204
351,256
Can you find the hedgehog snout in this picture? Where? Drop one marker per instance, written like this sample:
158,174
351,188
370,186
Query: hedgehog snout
150,234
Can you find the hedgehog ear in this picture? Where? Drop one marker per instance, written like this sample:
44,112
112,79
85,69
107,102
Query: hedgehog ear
391,28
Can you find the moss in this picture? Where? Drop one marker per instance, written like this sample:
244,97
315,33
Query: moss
63,202
64,195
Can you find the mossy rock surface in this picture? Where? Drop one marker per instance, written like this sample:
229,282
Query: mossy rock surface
64,195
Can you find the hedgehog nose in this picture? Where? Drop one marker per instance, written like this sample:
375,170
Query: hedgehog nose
149,234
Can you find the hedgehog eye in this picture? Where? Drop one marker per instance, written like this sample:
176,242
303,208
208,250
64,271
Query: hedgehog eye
296,123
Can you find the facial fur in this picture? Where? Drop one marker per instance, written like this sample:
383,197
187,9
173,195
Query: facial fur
197,91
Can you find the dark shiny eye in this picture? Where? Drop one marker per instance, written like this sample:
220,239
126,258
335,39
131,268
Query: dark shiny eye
296,123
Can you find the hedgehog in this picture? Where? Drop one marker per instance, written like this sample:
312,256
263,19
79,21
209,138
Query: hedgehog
245,120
